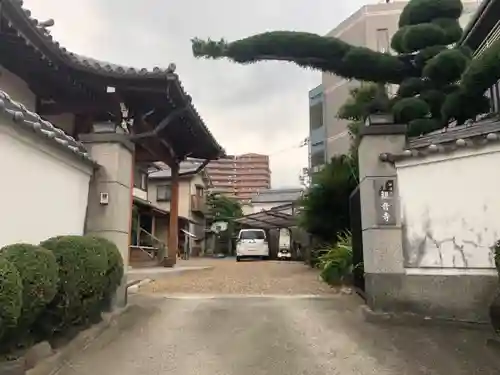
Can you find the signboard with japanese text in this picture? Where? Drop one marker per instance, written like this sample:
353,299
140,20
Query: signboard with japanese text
385,201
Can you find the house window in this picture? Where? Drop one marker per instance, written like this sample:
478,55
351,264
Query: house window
141,180
164,193
199,191
383,40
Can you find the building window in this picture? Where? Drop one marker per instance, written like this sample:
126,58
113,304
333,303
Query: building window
383,44
199,191
316,116
318,158
164,193
141,180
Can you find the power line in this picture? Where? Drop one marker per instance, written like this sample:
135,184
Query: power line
306,142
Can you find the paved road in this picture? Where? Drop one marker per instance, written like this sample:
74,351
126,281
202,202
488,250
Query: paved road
286,335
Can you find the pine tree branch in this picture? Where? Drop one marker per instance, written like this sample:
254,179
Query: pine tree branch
309,51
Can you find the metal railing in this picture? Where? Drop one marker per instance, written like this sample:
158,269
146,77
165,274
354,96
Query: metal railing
151,245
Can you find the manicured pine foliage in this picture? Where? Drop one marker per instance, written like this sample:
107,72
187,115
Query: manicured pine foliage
428,64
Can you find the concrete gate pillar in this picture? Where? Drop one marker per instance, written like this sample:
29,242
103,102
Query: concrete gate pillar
380,210
109,212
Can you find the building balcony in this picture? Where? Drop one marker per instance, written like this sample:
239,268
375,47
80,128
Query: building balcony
198,204
141,194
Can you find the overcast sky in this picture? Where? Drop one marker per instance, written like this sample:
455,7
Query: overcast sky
261,108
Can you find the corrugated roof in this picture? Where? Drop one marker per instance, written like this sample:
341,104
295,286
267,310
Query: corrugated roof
269,219
278,195
31,121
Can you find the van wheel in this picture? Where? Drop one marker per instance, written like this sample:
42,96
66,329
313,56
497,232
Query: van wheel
238,259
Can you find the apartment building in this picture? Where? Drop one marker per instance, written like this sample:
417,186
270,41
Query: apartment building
317,131
371,26
240,176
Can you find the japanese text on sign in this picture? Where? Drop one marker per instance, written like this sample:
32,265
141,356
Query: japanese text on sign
385,202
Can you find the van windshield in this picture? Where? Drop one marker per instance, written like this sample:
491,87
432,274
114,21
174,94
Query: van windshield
252,235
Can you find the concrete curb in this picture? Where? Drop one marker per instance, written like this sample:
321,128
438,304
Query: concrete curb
136,284
248,296
138,278
418,320
168,271
111,326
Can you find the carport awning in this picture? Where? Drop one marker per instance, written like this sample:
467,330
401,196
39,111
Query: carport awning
269,219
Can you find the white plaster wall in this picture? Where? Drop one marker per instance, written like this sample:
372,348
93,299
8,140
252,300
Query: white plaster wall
450,207
247,209
17,89
44,191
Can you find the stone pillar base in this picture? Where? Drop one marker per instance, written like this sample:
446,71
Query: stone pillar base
454,297
168,262
120,298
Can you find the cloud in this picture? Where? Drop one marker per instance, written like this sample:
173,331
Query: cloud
259,108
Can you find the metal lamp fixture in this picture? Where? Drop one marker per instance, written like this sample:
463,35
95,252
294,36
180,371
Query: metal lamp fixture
379,119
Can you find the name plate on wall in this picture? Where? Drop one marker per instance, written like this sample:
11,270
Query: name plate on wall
385,201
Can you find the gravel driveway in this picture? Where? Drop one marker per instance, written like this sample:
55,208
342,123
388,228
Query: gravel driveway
248,277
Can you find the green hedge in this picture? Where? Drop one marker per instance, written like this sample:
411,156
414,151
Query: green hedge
114,270
82,273
38,270
11,296
57,287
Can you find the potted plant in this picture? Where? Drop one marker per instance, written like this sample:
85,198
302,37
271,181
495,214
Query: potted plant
495,304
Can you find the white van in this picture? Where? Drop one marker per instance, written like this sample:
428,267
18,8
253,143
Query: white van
252,243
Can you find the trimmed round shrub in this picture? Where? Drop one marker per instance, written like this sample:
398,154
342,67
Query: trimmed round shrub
422,126
11,296
482,71
451,27
408,109
421,36
114,271
420,11
435,99
447,66
39,274
426,54
460,106
410,87
397,40
82,275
